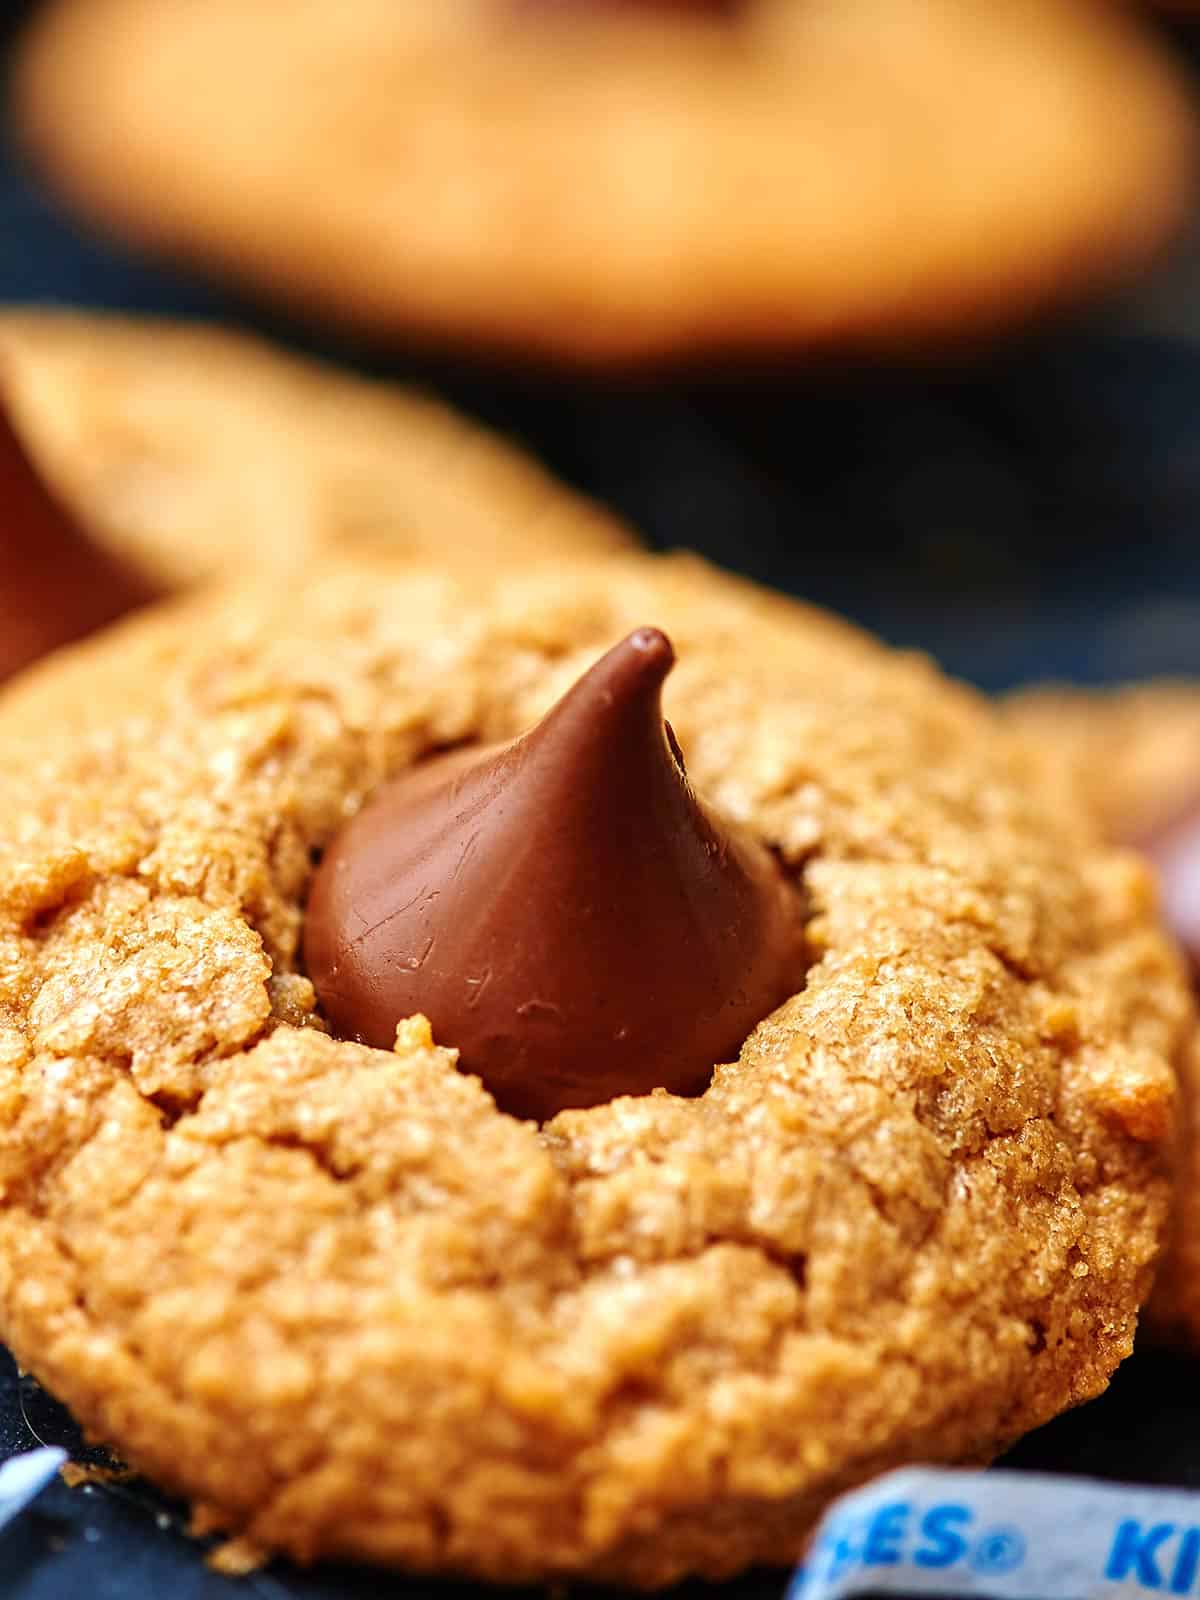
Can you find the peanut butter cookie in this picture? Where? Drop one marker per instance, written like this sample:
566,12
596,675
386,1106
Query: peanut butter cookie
196,452
347,1306
1130,755
1129,759
612,183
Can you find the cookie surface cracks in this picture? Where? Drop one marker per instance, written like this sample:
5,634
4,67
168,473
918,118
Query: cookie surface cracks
348,1308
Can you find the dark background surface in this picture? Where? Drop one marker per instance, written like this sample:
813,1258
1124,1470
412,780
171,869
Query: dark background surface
1035,513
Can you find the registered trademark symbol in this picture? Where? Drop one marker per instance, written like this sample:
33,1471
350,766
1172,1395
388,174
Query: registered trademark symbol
1001,1550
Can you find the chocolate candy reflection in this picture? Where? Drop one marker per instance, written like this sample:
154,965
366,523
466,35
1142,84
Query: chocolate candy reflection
564,908
55,585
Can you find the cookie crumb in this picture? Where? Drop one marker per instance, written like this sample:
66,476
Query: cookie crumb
293,1001
412,1034
1137,1090
76,1473
1060,1019
236,1557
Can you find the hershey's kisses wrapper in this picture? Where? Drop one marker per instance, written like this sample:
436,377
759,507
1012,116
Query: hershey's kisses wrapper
1006,1536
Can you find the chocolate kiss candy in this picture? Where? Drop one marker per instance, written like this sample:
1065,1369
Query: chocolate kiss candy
55,585
563,908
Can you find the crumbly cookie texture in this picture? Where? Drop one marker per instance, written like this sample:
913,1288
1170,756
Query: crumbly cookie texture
610,184
1129,760
348,1308
170,440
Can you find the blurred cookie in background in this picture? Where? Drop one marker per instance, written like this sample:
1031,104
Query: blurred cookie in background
1172,1315
617,183
1130,758
1131,754
193,451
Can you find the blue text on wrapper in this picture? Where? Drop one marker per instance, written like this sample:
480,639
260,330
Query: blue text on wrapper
1006,1535
931,1538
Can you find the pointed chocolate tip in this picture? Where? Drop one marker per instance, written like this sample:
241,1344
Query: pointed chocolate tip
609,721
562,908
637,666
652,644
